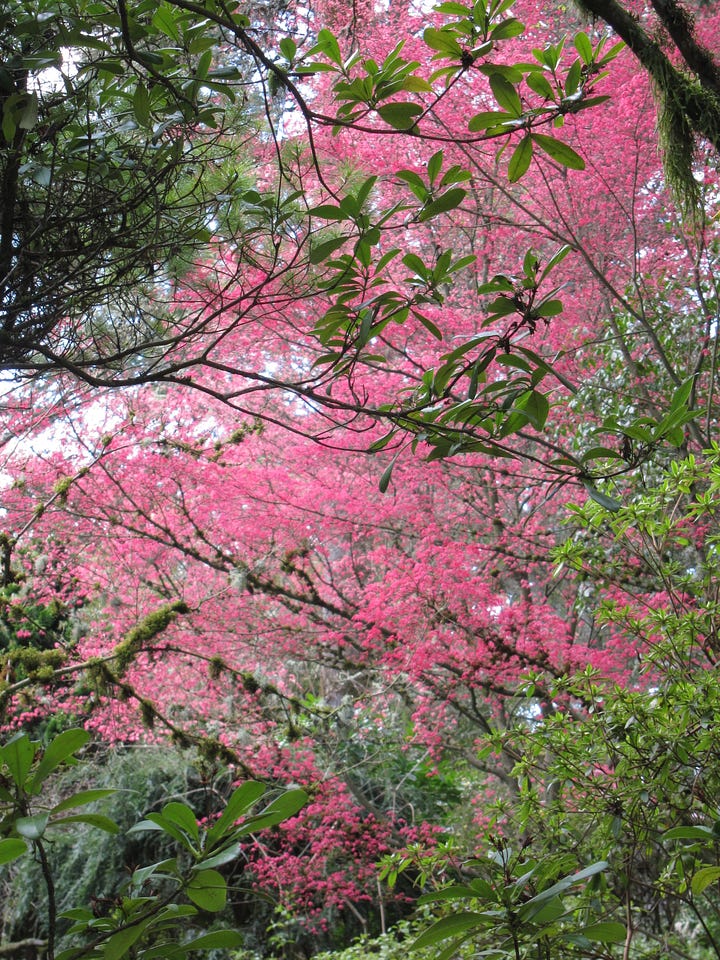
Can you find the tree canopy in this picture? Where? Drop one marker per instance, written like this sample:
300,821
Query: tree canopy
359,440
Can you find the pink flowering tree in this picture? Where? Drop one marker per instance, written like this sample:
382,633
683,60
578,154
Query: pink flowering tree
458,267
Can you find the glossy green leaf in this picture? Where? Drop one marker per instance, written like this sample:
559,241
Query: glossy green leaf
91,819
442,41
327,44
18,754
608,932
11,848
520,159
555,259
120,943
242,799
328,211
288,48
323,251
164,20
689,833
64,746
81,798
287,805
541,85
207,889
183,816
401,116
165,867
487,120
602,498
507,29
548,308
506,95
456,923
445,202
33,827
222,857
559,151
584,48
217,940
703,878
141,105
601,453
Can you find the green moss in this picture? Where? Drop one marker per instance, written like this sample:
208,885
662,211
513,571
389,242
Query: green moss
216,666
62,487
145,632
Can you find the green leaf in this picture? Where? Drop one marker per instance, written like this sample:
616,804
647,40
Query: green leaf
487,120
608,502
689,833
207,889
401,116
322,251
541,85
58,751
92,820
443,41
703,878
415,182
507,29
32,828
445,202
81,798
520,160
18,754
284,807
429,325
183,816
555,259
455,891
242,799
141,105
217,940
559,151
600,453
584,48
327,211
681,396
548,308
220,859
454,9
11,848
119,943
608,932
162,823
435,165
567,882
288,48
572,81
416,85
164,20
459,922
536,407
611,54
327,44
542,913
506,95
164,867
